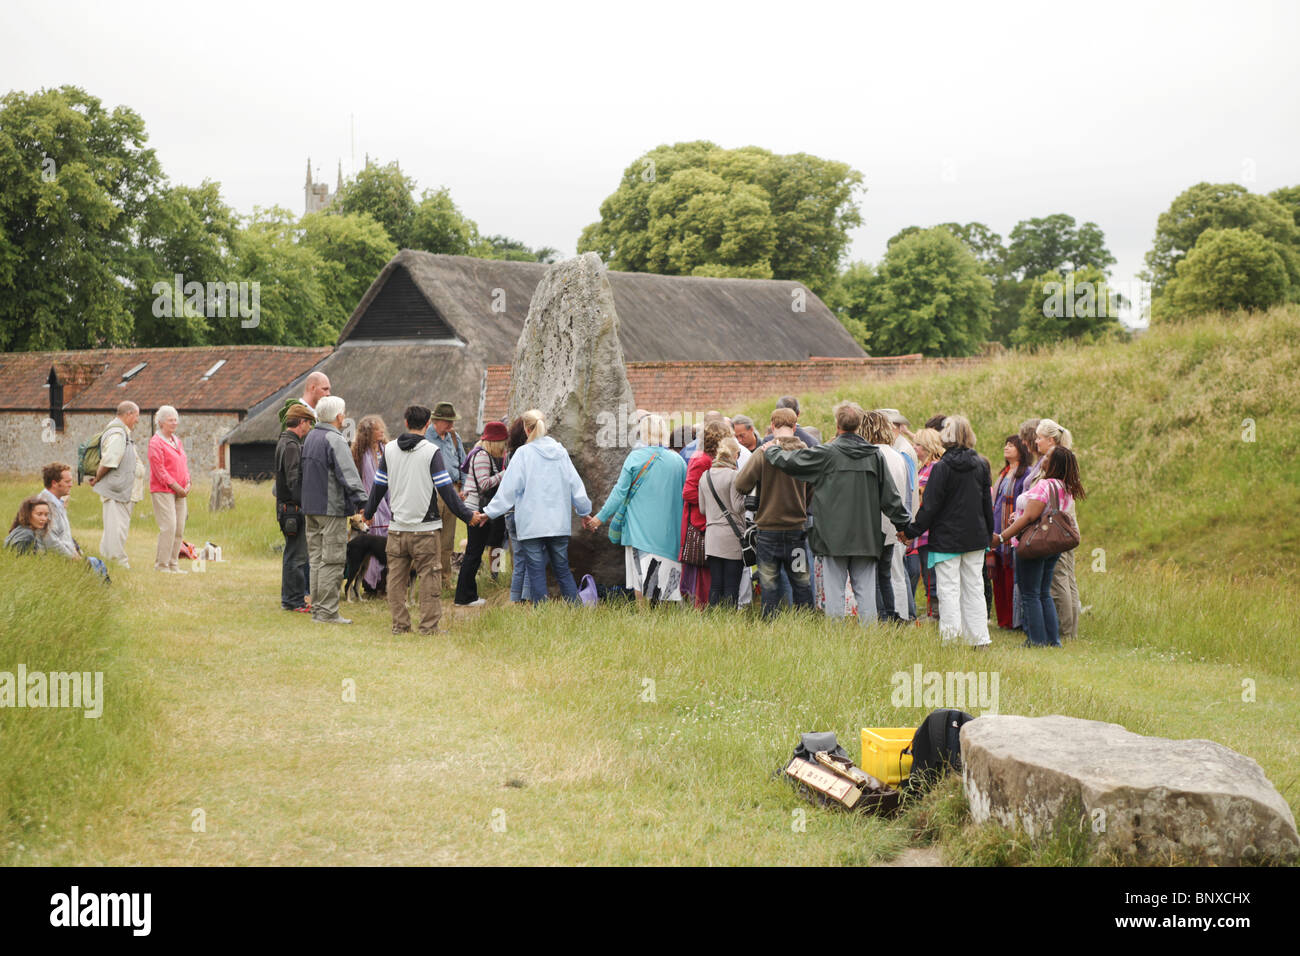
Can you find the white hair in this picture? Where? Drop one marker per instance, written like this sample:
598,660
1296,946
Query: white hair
1058,433
654,430
329,408
165,413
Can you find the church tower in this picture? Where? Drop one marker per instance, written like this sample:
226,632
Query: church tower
318,195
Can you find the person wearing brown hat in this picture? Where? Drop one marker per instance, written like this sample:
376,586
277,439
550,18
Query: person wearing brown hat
442,434
295,574
484,467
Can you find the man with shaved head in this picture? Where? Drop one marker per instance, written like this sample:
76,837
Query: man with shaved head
119,481
316,387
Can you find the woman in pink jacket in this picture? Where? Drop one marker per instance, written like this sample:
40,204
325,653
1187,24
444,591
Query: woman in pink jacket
169,485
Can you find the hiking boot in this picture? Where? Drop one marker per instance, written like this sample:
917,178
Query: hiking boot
332,620
401,630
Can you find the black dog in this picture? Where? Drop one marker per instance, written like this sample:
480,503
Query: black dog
361,546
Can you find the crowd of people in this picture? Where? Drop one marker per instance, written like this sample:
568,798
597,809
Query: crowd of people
717,515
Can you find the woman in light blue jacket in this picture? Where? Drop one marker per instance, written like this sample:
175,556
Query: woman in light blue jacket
541,484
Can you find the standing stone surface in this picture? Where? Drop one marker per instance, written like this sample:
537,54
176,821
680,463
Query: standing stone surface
569,365
1148,798
223,492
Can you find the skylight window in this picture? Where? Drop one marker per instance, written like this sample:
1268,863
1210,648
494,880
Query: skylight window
126,377
212,371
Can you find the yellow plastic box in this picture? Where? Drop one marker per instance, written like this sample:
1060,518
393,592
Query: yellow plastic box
881,750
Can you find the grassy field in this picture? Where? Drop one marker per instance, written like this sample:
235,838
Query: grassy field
559,735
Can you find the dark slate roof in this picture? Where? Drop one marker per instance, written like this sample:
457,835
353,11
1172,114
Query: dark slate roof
661,318
92,378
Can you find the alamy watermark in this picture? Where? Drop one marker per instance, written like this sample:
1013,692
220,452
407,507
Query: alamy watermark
178,298
955,690
1097,300
621,429
82,690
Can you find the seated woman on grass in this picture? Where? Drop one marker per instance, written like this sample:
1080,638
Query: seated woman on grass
27,535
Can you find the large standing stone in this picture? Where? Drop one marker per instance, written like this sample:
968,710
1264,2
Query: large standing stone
1146,797
569,365
223,492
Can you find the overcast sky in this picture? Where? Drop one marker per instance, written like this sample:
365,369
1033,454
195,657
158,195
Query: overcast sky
993,112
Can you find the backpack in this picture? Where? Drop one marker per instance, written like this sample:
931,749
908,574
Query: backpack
935,749
88,456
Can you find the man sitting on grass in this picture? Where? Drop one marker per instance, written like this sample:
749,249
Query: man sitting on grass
57,478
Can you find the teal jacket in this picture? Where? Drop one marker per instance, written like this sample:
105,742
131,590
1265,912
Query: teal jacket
654,518
852,487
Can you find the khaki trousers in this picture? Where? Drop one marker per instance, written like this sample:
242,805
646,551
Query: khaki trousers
447,535
327,553
1065,595
170,513
117,522
416,551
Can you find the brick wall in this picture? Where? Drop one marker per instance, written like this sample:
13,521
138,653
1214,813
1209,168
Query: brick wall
690,387
26,446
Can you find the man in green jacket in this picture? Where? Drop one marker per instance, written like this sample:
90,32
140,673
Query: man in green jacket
852,486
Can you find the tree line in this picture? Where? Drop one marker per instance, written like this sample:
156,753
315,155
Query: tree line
90,226
698,209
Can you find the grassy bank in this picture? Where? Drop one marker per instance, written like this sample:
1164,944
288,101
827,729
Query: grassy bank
236,733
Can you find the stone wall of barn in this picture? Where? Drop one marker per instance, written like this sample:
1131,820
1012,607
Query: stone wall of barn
28,441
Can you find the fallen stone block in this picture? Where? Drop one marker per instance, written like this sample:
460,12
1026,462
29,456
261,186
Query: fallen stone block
1147,798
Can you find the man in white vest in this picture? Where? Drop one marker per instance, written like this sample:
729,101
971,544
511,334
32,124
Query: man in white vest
412,473
119,481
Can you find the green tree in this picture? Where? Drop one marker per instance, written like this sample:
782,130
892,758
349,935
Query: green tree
386,194
851,297
353,249
1227,269
1289,197
1218,206
75,178
1054,244
439,226
290,275
1079,305
187,231
503,247
930,297
697,209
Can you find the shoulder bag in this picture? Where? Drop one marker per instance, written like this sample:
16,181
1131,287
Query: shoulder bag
619,519
747,537
1053,533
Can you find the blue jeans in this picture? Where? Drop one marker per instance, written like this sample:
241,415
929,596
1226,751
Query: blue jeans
1034,578
295,575
912,562
783,551
519,573
537,552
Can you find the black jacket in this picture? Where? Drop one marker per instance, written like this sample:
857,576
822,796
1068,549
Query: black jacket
957,507
288,469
